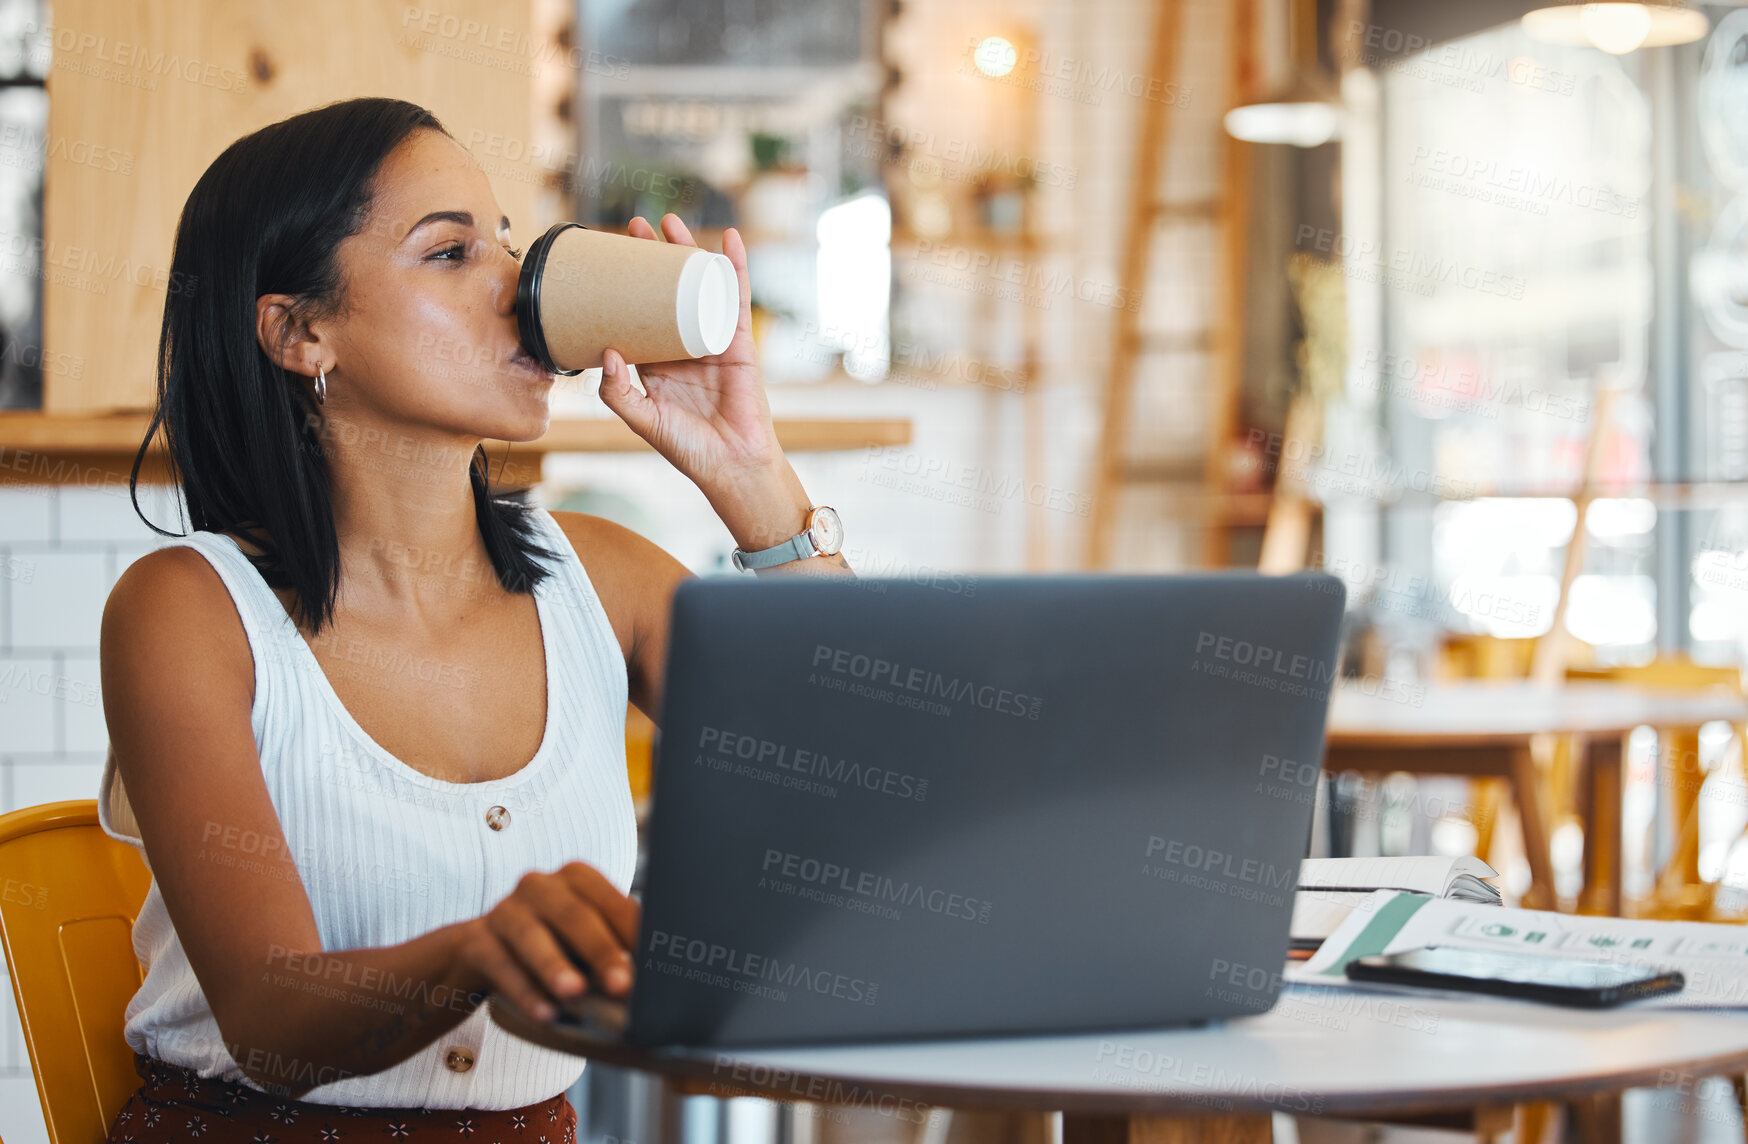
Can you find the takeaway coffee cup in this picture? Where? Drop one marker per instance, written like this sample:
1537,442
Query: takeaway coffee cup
584,290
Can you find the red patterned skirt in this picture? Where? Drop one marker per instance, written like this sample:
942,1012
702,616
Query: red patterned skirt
174,1104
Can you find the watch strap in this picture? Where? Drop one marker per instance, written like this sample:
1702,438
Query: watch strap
797,547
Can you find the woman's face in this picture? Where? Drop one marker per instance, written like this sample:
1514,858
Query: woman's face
427,333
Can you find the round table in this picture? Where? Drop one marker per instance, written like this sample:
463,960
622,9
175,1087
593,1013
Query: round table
1320,1051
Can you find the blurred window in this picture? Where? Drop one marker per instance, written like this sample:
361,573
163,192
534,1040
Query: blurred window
1517,265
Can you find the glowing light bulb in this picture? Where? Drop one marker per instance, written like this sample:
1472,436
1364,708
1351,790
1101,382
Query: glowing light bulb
995,57
1300,124
1615,28
1618,28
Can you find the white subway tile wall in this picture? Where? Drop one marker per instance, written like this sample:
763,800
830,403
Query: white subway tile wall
61,550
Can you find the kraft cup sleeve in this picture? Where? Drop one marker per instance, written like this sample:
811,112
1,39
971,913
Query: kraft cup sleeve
651,301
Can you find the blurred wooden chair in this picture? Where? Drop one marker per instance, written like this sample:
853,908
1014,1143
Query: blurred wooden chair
1463,656
1680,893
1541,789
639,756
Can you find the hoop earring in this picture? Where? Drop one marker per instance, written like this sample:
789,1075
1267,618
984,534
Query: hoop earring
321,385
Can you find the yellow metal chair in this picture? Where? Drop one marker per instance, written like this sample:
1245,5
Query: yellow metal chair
69,894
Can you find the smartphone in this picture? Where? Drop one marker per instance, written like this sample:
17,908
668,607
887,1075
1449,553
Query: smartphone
1555,980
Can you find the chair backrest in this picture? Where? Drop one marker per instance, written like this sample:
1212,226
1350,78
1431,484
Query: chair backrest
69,894
1666,671
1473,656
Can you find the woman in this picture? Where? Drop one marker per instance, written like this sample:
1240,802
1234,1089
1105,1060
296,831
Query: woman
367,718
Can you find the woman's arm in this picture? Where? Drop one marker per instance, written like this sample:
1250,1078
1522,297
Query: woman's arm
178,685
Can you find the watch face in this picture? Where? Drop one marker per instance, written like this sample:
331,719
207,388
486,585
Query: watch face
827,530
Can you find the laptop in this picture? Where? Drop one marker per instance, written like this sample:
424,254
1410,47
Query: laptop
915,808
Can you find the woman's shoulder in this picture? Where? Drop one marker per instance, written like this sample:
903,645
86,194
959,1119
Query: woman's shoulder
178,578
182,586
168,573
172,602
610,546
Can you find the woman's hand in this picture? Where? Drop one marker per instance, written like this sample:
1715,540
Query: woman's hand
519,948
710,417
704,415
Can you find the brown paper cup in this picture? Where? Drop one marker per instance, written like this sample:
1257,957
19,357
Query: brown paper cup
583,290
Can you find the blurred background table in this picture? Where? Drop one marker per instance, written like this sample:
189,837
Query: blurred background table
1487,729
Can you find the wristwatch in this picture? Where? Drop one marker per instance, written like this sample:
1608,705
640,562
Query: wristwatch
823,536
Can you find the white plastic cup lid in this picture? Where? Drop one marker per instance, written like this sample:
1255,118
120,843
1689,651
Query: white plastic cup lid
707,304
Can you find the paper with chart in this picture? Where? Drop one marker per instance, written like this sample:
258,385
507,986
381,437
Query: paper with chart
1714,958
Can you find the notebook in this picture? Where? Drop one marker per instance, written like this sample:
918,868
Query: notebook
1330,888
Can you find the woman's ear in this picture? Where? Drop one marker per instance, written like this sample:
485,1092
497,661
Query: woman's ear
285,338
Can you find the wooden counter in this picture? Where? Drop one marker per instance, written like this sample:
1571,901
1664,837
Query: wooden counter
45,448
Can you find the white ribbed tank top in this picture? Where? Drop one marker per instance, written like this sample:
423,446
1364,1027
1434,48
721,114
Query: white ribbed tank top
387,853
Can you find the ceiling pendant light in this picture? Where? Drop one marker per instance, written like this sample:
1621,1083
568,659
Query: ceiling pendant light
1306,111
1617,28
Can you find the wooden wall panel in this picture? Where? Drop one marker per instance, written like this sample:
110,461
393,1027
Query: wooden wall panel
143,96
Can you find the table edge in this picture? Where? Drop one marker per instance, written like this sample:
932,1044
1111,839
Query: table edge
1081,1101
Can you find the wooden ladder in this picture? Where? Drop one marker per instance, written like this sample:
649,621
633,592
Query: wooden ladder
1114,470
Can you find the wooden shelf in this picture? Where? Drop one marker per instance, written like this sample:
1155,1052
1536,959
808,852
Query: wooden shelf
46,448
975,238
1673,494
797,434
1669,494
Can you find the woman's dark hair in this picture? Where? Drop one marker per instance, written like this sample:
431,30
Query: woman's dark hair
243,439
